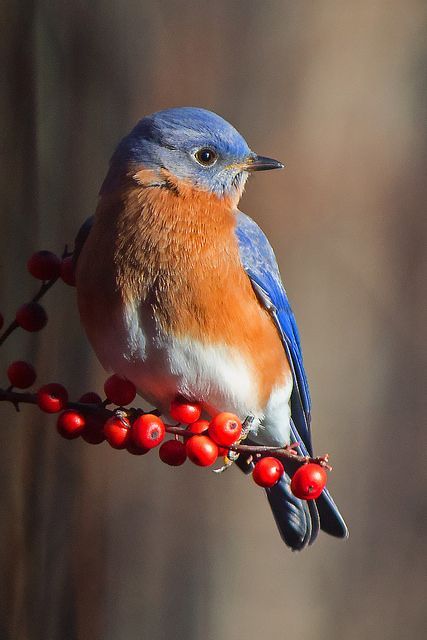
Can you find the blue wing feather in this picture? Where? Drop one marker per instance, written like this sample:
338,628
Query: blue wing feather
260,264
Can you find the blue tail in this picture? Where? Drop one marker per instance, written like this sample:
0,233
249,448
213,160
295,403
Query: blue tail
298,520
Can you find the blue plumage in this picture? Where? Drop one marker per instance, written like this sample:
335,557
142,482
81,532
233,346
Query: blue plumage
298,521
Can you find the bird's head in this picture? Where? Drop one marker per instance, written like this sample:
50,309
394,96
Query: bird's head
195,146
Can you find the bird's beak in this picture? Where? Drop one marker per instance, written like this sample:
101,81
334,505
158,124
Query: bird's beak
260,163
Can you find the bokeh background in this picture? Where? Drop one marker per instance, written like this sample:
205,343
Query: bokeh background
96,543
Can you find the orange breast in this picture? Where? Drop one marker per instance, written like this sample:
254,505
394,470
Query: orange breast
173,250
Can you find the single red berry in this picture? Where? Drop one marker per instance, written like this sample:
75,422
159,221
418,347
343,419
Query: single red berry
90,398
225,428
267,472
119,391
52,397
21,374
93,432
184,411
44,265
201,450
309,481
173,452
116,431
70,424
198,427
31,316
68,272
148,431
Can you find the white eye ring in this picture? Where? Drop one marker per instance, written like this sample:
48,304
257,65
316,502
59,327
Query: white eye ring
206,156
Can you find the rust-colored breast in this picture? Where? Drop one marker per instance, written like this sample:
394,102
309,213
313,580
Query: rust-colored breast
173,250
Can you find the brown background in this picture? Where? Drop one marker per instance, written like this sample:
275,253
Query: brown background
98,544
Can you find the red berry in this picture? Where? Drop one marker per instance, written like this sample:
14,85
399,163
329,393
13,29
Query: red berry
21,374
267,472
68,272
44,265
52,397
201,450
309,481
119,391
93,433
225,428
184,411
148,431
70,424
31,316
116,431
198,427
90,398
173,452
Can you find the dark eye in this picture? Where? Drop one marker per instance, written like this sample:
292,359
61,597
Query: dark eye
206,156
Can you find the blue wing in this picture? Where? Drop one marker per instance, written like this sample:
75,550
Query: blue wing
260,264
298,521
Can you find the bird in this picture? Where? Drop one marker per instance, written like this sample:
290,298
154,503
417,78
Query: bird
180,292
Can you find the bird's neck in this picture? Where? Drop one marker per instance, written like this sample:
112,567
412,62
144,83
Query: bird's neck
162,235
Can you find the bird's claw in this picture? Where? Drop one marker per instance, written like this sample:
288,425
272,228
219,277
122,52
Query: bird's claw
227,464
121,414
291,448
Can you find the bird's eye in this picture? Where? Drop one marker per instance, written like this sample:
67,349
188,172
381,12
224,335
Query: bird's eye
205,156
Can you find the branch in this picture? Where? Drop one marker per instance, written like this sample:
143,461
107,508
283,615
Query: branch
19,397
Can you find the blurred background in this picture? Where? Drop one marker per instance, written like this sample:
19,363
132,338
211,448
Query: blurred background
96,543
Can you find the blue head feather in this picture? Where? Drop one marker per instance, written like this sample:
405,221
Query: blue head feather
170,139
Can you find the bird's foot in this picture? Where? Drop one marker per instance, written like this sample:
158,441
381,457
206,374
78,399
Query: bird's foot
232,455
291,448
121,414
227,464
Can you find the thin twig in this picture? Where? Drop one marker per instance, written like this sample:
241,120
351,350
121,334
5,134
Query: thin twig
44,288
21,397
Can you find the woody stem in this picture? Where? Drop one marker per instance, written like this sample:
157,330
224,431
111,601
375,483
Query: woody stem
22,397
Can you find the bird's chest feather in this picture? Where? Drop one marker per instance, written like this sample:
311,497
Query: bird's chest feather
165,302
163,363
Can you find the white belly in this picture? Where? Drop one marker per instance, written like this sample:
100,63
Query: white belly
163,366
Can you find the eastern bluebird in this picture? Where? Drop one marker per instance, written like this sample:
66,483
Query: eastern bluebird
180,292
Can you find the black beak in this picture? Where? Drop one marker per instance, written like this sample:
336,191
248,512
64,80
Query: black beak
260,163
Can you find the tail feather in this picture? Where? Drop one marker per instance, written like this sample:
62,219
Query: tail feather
297,520
331,520
315,520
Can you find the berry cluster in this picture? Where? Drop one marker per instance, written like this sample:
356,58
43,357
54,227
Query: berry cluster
199,440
